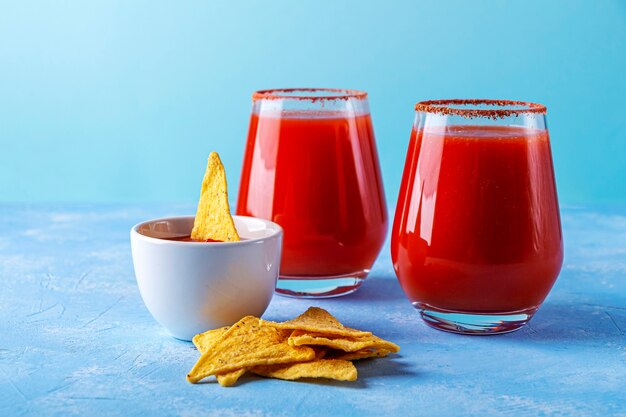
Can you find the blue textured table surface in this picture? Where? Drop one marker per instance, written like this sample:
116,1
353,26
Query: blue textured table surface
76,339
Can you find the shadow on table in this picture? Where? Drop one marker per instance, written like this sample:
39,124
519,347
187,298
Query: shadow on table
358,384
391,365
379,289
553,322
574,322
367,368
372,368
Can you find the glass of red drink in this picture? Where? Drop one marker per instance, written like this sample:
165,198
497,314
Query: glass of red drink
476,241
311,166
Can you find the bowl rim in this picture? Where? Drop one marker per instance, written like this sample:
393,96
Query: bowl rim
276,230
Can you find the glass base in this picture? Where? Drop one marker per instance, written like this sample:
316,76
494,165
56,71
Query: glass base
320,287
474,323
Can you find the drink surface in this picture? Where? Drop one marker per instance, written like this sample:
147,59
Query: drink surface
318,177
477,224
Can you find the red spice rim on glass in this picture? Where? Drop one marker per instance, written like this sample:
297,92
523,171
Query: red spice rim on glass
507,108
306,94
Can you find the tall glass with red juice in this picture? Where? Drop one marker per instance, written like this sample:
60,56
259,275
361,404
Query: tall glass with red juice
311,166
476,241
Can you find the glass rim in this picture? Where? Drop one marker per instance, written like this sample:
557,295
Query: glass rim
291,94
505,108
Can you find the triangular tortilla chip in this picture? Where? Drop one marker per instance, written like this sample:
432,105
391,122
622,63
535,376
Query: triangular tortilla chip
359,354
320,368
247,344
347,344
230,378
213,220
204,342
317,320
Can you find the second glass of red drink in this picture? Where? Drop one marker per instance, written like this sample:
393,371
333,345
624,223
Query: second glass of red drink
311,165
476,241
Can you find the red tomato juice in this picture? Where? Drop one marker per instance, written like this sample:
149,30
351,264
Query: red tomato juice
318,177
482,229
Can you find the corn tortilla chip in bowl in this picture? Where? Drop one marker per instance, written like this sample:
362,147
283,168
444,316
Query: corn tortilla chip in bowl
206,271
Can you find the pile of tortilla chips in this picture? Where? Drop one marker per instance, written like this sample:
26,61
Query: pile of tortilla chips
313,345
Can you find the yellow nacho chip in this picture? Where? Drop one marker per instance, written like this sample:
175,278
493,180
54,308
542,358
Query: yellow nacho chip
230,378
359,354
203,341
213,220
320,368
247,344
347,344
317,320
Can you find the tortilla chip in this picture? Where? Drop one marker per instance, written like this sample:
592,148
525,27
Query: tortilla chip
230,378
203,341
321,368
317,320
245,345
347,344
359,354
213,220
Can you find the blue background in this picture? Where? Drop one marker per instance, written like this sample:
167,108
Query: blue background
122,101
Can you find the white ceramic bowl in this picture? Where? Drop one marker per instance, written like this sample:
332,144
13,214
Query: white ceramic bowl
190,287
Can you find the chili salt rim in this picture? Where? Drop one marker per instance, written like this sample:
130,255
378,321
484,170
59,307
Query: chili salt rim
441,107
284,93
